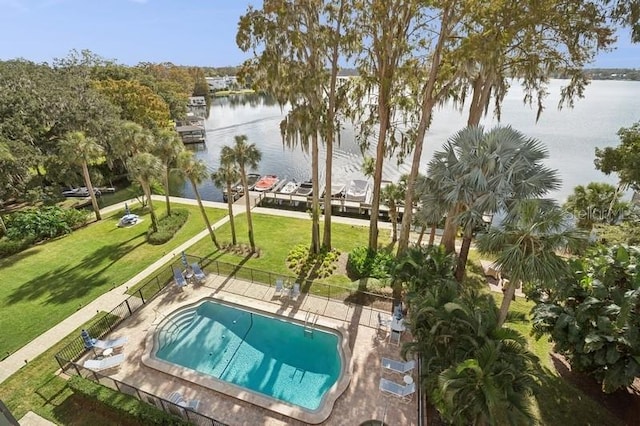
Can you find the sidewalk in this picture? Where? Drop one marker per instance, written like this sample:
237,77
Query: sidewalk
110,299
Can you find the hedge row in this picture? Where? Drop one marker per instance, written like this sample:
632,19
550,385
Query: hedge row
167,227
125,405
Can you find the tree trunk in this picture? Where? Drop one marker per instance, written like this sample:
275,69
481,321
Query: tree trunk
89,185
394,221
509,293
3,227
423,228
450,230
383,109
330,136
428,102
147,193
432,235
166,191
230,206
204,215
247,204
462,257
315,197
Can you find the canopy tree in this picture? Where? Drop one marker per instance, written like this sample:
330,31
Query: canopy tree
387,77
196,172
246,156
623,159
297,46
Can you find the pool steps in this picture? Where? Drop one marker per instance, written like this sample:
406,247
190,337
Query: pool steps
175,325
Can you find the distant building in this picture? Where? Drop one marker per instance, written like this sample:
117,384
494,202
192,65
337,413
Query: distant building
221,83
197,101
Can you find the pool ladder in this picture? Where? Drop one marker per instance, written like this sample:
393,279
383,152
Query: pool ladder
310,321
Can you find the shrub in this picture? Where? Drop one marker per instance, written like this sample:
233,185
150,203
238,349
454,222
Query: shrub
364,262
167,227
42,224
10,247
126,405
301,262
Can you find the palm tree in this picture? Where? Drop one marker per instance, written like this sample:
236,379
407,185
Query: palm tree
428,213
596,203
168,147
80,150
145,168
196,171
526,246
391,195
246,156
226,176
479,173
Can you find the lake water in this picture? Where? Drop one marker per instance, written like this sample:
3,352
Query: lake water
571,135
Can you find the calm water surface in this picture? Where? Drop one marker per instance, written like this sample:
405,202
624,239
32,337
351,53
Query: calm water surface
571,135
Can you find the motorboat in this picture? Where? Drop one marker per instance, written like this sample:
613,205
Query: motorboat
337,190
266,183
80,192
237,189
305,189
252,179
357,191
290,187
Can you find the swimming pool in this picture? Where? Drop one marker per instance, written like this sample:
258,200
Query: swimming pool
268,355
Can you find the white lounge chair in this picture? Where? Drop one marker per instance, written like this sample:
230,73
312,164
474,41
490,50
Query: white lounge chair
197,272
179,278
178,399
403,392
398,366
112,343
295,291
279,287
104,363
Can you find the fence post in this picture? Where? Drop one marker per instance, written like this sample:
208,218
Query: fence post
126,301
218,267
141,296
59,362
251,270
158,283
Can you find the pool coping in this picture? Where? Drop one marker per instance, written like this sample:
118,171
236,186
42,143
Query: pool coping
296,412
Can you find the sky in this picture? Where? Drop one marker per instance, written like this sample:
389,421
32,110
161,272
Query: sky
184,32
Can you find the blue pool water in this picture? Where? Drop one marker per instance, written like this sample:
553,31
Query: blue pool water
264,354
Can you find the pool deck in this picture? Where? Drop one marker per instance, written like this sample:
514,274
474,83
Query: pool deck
361,401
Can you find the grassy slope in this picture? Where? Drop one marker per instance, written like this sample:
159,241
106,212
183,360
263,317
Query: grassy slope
46,283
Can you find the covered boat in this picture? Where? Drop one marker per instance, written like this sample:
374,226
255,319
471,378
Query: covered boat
305,189
337,189
266,183
357,191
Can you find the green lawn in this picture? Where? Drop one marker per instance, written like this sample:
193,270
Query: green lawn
275,236
48,282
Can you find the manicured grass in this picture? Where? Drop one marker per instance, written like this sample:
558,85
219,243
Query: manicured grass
36,387
275,236
46,283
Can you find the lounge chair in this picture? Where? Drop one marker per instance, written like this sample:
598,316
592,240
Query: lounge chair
197,272
179,278
112,343
398,366
178,399
403,392
295,291
279,287
104,363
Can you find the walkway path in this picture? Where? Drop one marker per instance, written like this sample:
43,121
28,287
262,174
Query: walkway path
110,299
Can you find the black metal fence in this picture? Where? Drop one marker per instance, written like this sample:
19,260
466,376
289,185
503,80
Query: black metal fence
162,404
68,356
